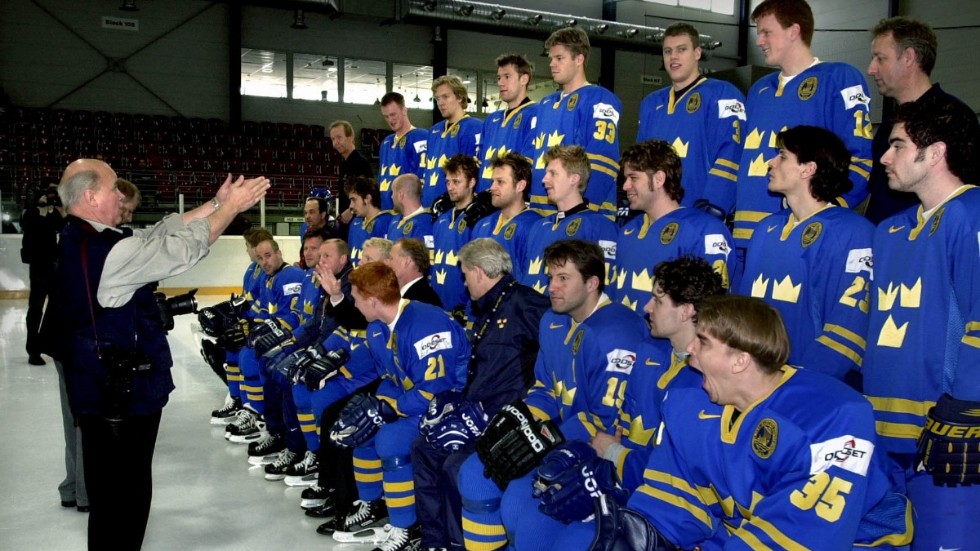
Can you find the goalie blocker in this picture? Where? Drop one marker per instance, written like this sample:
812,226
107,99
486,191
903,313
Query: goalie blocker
514,443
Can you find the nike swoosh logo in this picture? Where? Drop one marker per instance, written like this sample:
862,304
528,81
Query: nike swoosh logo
703,415
893,229
659,107
770,228
941,548
555,325
375,334
629,232
651,362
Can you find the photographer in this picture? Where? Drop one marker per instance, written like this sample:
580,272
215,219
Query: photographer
41,224
106,330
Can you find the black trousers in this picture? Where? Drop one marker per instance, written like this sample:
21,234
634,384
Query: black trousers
41,276
119,479
337,464
438,505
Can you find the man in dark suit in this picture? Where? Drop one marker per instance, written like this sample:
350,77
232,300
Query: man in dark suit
410,262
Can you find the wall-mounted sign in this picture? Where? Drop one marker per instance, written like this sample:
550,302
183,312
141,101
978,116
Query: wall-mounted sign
118,23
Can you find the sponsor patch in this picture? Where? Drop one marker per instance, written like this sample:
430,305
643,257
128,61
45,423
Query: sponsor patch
290,289
715,243
620,361
731,108
847,452
477,138
430,242
608,249
420,146
606,112
433,343
854,96
534,122
859,260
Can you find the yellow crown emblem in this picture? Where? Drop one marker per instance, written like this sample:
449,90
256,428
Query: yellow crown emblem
759,166
451,258
395,170
621,279
638,433
535,268
643,281
680,147
754,139
438,257
760,287
892,335
489,153
910,297
630,304
785,290
539,287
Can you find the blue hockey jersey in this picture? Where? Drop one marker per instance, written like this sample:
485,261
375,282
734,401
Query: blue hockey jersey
512,235
397,156
449,234
417,225
444,141
578,223
505,131
361,230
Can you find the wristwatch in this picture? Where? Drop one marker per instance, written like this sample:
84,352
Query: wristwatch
215,204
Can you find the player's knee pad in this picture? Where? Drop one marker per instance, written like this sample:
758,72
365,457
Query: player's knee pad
479,506
394,462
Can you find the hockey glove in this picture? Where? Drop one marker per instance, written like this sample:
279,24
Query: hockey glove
236,336
559,460
571,496
458,427
215,320
621,529
481,207
323,367
949,447
442,204
514,443
272,341
440,406
360,420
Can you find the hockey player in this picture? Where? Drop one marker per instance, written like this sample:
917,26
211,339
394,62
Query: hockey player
920,369
511,225
504,345
419,352
459,133
403,151
413,220
369,220
813,261
804,91
763,455
566,180
701,118
588,348
581,114
615,462
509,129
666,230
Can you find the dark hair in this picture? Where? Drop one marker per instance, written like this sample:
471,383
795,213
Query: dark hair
519,165
376,280
929,122
465,164
786,13
812,144
688,279
365,188
656,155
587,257
393,97
748,324
319,232
911,33
682,29
573,38
321,203
520,62
254,236
417,251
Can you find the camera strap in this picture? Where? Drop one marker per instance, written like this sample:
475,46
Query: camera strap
88,292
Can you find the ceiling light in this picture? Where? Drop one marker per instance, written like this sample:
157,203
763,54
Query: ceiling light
498,13
570,22
601,28
534,19
630,33
129,5
299,20
466,10
429,5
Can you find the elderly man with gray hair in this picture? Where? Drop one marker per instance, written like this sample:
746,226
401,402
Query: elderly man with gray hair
504,343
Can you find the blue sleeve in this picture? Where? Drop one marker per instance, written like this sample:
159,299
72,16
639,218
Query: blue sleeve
724,131
598,129
851,118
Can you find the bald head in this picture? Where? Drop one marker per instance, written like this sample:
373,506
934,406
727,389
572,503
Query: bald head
88,190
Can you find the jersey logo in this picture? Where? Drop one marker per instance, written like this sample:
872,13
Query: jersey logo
859,260
895,229
764,438
669,233
517,120
731,108
846,452
509,231
420,146
716,243
854,96
935,220
807,88
608,249
577,341
772,227
703,416
555,325
573,226
453,131
620,361
572,102
462,226
292,289
407,229
693,103
605,111
810,234
629,232
433,343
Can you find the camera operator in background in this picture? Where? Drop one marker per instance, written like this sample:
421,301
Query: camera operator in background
41,225
131,199
106,330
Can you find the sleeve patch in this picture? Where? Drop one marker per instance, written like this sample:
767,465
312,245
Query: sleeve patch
715,243
433,343
620,361
608,249
731,108
846,452
859,260
290,289
854,96
477,138
534,122
430,242
605,111
420,146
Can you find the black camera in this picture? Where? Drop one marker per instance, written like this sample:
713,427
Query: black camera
120,365
175,306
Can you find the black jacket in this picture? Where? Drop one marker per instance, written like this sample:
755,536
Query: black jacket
422,291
